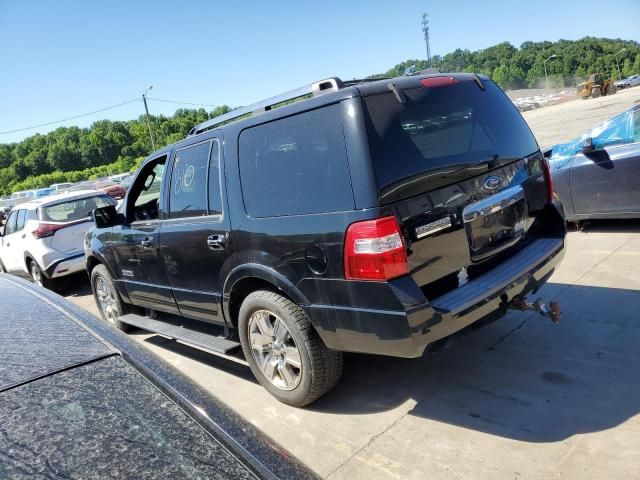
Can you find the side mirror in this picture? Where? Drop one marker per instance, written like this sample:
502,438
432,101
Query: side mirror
587,145
149,180
107,217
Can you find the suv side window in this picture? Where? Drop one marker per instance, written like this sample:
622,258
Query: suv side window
11,223
296,165
188,196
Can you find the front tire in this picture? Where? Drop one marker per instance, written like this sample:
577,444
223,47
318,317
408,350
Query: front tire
108,300
284,352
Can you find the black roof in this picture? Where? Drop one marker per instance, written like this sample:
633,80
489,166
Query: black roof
79,399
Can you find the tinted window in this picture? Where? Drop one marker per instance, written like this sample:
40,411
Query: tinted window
296,165
10,226
22,215
74,210
443,127
188,197
215,197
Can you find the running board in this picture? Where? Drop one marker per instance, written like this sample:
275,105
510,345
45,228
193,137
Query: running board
183,334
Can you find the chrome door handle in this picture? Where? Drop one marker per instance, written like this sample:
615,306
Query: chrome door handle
216,242
147,242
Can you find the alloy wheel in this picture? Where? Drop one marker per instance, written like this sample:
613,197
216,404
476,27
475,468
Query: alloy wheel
107,301
274,350
36,274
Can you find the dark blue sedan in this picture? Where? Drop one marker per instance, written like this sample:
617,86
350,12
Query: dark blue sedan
598,174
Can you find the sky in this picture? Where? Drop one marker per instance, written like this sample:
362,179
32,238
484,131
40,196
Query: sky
63,58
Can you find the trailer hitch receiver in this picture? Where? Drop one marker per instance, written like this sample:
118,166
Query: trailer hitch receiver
551,311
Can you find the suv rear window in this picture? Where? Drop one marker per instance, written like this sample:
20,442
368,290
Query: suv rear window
441,129
74,210
296,165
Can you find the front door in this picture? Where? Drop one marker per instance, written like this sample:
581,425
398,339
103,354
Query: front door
194,238
138,258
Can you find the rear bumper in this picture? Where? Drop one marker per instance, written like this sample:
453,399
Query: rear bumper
406,333
65,266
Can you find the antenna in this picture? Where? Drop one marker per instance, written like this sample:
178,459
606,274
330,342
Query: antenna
425,30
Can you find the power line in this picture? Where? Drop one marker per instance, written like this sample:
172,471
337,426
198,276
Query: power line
71,118
182,103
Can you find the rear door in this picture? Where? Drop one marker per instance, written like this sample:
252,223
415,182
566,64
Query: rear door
195,239
607,180
457,164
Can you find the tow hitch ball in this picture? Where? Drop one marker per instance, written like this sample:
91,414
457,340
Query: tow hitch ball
552,310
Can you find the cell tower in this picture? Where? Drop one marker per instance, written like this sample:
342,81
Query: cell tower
425,30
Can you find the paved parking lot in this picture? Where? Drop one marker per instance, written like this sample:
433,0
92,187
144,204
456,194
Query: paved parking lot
522,398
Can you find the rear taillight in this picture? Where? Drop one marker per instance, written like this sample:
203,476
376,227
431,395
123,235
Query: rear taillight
46,230
548,179
374,250
432,82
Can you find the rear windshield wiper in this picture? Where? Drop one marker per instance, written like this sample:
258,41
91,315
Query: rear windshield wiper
493,161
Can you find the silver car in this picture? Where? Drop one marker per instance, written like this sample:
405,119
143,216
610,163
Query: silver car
598,174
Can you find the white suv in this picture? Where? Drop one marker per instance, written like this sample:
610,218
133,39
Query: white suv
43,238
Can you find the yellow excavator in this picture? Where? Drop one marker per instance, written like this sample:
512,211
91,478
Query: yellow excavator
595,86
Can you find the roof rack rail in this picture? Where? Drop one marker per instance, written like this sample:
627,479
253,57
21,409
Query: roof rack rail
317,88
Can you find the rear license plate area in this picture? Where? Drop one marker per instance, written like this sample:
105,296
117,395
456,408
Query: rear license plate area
495,223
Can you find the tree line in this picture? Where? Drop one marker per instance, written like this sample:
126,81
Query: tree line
523,67
71,154
109,147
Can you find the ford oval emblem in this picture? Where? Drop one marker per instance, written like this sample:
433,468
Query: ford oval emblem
492,182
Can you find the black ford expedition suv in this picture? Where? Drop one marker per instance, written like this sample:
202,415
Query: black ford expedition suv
369,216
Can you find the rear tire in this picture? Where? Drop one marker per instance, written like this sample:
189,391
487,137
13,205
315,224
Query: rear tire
285,353
108,300
612,89
38,277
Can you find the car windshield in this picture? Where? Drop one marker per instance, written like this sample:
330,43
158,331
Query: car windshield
73,210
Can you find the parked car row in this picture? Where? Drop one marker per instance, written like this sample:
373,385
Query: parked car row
632,81
115,186
525,104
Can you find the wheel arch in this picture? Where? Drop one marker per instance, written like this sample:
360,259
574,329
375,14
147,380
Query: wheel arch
27,259
245,279
93,259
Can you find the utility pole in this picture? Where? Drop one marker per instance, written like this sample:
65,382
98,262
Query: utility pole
425,30
618,64
146,109
546,79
